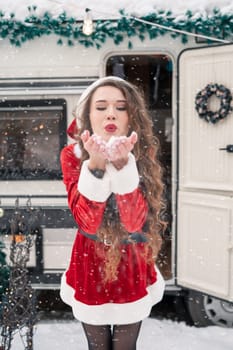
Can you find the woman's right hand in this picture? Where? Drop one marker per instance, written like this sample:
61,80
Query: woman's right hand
96,149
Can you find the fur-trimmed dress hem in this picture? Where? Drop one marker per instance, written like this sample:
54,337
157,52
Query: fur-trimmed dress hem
114,313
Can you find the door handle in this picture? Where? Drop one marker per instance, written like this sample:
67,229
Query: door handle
228,148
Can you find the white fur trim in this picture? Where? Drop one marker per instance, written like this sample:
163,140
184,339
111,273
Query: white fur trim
77,151
125,180
113,313
91,187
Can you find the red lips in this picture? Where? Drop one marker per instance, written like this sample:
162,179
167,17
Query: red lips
110,128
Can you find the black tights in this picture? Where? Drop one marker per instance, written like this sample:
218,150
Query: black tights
118,337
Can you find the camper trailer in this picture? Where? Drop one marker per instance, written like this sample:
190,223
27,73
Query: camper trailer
40,84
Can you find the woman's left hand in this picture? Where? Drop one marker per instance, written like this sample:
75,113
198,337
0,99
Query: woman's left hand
120,150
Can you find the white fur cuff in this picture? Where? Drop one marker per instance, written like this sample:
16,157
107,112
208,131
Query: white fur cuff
91,187
125,180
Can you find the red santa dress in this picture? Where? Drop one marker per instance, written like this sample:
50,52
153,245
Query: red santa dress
139,285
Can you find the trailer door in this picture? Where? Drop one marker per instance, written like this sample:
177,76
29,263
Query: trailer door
205,166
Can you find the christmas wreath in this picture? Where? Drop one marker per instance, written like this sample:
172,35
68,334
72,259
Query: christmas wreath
201,102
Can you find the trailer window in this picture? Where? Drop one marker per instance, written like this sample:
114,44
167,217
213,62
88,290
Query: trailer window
32,134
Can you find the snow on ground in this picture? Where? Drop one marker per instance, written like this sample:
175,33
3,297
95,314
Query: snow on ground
155,335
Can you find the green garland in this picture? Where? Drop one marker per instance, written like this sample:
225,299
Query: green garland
69,30
201,102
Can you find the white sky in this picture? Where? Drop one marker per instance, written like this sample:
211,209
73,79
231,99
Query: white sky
108,8
155,335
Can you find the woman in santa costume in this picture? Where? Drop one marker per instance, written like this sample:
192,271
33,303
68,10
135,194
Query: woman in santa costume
114,187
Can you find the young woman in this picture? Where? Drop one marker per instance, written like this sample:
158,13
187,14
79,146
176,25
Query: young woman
113,181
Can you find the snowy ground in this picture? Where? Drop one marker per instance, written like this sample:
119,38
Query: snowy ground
57,329
155,334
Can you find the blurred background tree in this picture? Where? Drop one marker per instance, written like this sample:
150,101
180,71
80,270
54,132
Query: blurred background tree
4,274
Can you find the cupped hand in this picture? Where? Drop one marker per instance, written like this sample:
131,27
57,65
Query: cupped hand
118,152
96,148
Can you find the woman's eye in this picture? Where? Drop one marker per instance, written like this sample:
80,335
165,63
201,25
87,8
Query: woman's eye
118,108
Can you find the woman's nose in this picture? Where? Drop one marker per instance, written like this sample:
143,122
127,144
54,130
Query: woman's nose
111,115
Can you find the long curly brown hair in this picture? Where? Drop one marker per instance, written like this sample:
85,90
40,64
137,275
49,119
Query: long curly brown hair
150,171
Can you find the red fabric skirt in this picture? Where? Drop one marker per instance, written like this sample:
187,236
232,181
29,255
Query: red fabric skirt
83,283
